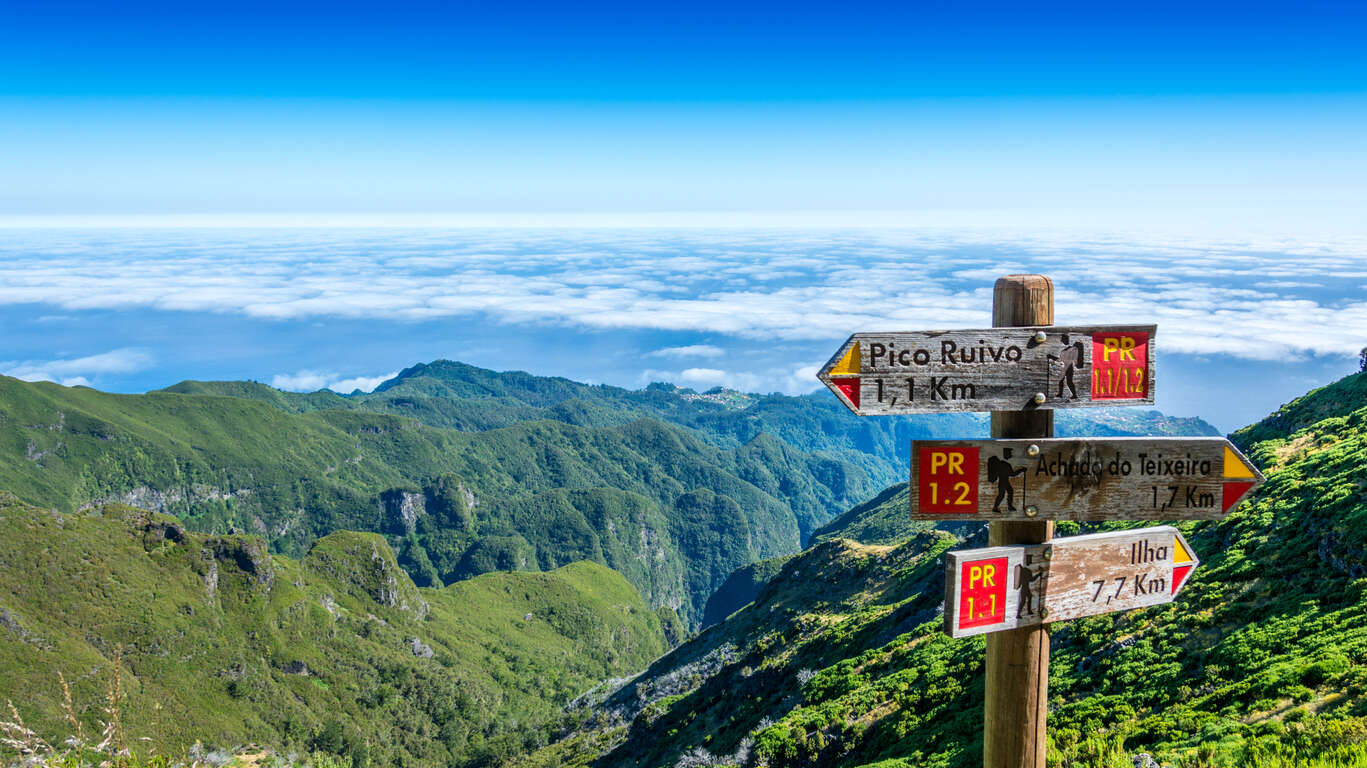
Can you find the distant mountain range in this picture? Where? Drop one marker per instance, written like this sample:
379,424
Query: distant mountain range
467,470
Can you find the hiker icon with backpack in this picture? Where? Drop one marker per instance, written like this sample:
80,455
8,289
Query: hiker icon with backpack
1070,357
1000,471
1025,576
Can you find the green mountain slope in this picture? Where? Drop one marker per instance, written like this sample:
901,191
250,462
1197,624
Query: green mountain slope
839,661
337,651
675,513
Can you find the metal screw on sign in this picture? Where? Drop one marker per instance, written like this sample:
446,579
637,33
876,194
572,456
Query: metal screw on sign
1031,511
1041,337
1040,397
1033,450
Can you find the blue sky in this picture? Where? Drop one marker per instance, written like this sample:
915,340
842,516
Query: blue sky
1251,113
701,51
322,194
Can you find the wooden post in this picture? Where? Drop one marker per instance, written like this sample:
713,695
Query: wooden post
1017,690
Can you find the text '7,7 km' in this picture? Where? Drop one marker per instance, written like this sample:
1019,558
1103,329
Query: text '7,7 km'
1000,588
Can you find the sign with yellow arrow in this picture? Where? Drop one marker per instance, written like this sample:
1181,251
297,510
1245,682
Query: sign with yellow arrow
1114,478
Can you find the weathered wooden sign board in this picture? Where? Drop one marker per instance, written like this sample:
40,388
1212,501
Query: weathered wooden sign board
1005,369
1119,478
1000,588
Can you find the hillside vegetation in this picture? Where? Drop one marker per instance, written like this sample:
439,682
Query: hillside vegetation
445,393
839,661
652,500
337,652
467,471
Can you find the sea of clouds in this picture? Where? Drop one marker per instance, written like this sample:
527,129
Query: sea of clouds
1266,300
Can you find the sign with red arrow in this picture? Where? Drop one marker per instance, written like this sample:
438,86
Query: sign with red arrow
1001,369
1117,478
1000,588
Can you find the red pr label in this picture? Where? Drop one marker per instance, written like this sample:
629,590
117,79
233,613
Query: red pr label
982,592
1120,366
947,480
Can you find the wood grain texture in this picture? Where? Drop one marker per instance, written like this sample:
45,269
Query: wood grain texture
1120,478
1016,697
1022,300
998,589
994,369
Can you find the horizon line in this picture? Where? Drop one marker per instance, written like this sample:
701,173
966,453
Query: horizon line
1119,221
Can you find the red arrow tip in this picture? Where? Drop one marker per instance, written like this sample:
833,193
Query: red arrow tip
1233,492
1179,575
850,388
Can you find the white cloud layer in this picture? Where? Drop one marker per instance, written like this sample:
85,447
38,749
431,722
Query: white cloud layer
312,381
363,383
79,371
692,350
1255,299
797,380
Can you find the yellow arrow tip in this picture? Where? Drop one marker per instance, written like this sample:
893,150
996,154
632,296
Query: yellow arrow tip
1180,554
1235,466
849,364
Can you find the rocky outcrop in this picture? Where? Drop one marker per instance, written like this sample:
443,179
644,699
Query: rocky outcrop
420,649
366,564
10,621
402,508
169,500
246,554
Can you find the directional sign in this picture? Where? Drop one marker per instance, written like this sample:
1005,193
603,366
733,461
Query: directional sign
999,588
1114,478
994,369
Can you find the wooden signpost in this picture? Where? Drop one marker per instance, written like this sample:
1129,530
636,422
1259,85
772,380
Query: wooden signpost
1021,370
1114,478
1001,588
1017,369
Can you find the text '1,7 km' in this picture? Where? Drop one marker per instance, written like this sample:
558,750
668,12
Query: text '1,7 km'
994,369
1119,478
1000,588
